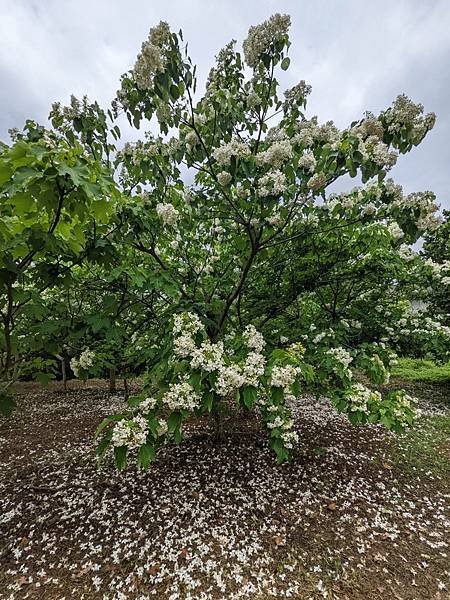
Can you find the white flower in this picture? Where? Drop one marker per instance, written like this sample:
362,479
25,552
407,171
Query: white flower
130,432
184,345
209,357
162,427
307,161
317,181
253,338
229,379
235,148
296,95
147,404
273,183
84,361
369,209
254,367
191,139
341,355
395,230
187,322
276,154
284,377
168,213
262,38
151,59
181,395
275,219
224,178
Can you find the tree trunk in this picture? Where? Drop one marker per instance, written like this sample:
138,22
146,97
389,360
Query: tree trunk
62,359
218,424
64,373
125,388
112,379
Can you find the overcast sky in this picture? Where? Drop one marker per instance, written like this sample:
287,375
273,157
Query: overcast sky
357,56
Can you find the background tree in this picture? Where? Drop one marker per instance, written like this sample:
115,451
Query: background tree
54,200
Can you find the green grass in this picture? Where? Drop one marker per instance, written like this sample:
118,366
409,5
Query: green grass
425,447
416,369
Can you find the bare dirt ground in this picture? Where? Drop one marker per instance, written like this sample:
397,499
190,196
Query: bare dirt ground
359,513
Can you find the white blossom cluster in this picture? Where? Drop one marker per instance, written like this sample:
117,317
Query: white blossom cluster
296,95
187,323
262,38
168,213
181,396
395,230
191,139
253,338
417,324
369,127
253,99
253,368
69,113
274,219
226,152
272,183
224,178
423,203
130,432
284,377
208,357
229,378
404,403
147,404
151,59
307,161
341,355
211,357
359,397
309,132
440,271
378,152
289,438
317,181
276,154
406,253
84,361
404,113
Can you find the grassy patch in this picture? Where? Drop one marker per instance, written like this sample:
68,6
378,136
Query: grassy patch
415,369
425,447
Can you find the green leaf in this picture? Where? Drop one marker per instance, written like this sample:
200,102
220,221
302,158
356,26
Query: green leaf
134,401
120,457
7,404
103,445
106,421
174,420
43,378
249,394
285,63
5,173
145,456
208,399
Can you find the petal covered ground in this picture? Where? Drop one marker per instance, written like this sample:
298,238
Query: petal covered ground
355,515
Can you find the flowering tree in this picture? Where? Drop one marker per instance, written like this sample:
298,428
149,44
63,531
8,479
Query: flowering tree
222,244
54,202
436,251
